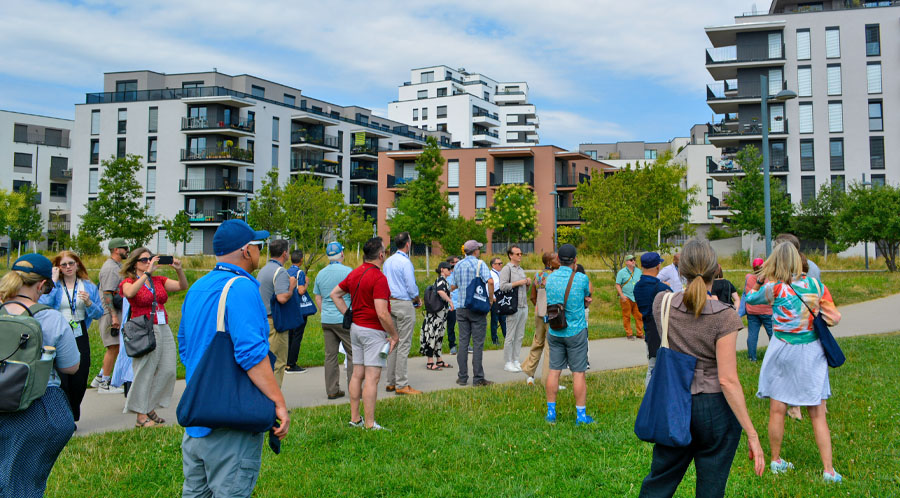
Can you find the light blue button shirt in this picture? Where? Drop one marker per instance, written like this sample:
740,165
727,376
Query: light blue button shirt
401,277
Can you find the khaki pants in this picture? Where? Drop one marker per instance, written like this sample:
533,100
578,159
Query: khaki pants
404,315
278,345
335,334
629,309
538,346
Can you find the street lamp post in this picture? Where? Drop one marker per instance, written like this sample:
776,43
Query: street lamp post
555,195
782,96
866,242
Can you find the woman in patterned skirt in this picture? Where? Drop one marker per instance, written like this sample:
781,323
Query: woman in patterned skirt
433,327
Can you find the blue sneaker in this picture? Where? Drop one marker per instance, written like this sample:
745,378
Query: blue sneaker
551,417
832,477
587,419
781,466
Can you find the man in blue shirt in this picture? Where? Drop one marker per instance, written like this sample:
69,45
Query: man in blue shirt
472,324
568,346
332,320
625,281
218,461
645,292
401,277
451,314
295,336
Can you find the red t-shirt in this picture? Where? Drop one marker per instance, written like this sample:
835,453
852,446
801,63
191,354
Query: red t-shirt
141,303
374,286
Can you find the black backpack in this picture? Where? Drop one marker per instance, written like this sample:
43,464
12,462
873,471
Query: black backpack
433,301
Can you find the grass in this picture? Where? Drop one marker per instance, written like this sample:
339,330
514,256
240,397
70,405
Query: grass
493,442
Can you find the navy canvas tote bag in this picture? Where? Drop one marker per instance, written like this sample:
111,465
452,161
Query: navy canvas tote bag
833,354
205,403
476,293
665,413
286,316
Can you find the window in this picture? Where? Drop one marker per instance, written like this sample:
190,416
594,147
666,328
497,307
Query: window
58,190
776,82
876,152
838,181
442,111
776,118
487,96
709,182
18,185
834,79
805,115
592,154
151,180
95,122
424,113
836,146
441,92
123,120
20,133
128,88
422,94
275,123
807,188
415,114
453,174
873,40
873,76
21,160
290,100
427,77
257,91
876,123
777,157
191,84
480,200
480,172
803,44
274,156
649,153
454,205
95,151
775,46
58,163
441,127
151,150
835,117
120,148
804,81
807,155
93,180
514,171
153,120
832,43
877,181
151,206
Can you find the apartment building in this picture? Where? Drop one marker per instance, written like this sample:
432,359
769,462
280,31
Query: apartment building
35,151
478,111
839,57
472,175
209,139
695,152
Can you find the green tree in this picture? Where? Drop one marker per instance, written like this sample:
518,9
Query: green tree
745,198
178,229
570,235
57,231
459,230
815,218
10,204
870,215
119,210
420,207
513,216
266,211
27,223
86,243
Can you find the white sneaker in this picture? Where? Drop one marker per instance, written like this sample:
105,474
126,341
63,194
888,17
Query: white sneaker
376,427
511,367
530,381
106,388
562,387
96,382
518,365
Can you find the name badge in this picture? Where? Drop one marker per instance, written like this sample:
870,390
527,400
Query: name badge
160,317
76,328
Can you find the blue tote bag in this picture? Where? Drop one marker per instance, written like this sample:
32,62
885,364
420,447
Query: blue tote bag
833,354
665,413
476,293
285,316
205,403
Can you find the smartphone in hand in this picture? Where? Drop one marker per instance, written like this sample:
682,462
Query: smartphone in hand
166,260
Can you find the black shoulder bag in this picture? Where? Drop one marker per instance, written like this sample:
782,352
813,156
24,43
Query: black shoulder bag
137,334
348,316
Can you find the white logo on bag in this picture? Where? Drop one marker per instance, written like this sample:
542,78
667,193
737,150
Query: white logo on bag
506,301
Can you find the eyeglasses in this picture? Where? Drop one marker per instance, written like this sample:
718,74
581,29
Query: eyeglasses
67,264
143,260
257,243
516,254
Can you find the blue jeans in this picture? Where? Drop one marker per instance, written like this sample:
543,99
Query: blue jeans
497,319
753,323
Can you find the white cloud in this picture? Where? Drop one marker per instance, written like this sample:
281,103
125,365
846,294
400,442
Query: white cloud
567,129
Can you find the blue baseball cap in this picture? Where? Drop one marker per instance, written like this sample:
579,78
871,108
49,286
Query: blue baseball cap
234,234
34,263
333,249
650,260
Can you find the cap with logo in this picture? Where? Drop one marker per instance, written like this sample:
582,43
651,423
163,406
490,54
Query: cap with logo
333,249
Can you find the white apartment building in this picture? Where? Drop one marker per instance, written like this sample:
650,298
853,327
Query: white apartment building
35,151
476,110
209,139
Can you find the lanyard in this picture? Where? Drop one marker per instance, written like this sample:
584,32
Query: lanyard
72,298
221,267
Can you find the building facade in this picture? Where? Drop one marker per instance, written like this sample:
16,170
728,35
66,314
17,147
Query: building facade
35,151
471,176
209,139
475,109
839,58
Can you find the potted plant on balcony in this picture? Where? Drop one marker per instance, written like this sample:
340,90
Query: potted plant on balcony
229,149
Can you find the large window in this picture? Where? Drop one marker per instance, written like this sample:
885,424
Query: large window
776,81
275,123
441,111
834,79
804,81
93,180
453,174
807,188
151,206
415,114
709,181
422,94
441,92
20,133
832,43
151,150
123,120
257,91
836,146
153,120
95,151
775,46
290,100
878,181
275,156
120,148
807,155
95,122
873,77
803,44
835,117
876,123
805,113
151,180
873,40
650,153
480,172
58,190
18,185
424,113
454,205
427,77
876,152
21,160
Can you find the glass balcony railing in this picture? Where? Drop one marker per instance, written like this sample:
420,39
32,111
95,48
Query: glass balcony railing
302,137
201,123
217,154
315,166
215,185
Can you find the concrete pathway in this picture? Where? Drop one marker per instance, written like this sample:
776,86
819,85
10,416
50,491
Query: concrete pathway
102,413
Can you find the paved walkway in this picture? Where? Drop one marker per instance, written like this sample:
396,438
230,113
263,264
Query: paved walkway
101,413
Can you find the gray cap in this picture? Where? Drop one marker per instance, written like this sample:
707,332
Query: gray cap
117,243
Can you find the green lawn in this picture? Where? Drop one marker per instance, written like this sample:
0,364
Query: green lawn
494,442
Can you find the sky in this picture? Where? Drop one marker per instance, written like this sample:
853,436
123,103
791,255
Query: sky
597,70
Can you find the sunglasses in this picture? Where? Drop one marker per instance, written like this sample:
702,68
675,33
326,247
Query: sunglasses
258,243
67,264
516,254
143,260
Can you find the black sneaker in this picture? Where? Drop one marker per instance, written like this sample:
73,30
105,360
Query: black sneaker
462,382
294,369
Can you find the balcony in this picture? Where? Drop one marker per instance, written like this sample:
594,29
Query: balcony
398,182
496,182
504,97
327,143
727,170
718,208
234,127
723,63
218,185
366,151
60,175
483,136
205,216
484,118
722,135
568,214
366,196
571,180
316,167
363,175
218,154
61,225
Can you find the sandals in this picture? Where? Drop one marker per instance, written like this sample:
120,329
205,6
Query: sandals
443,365
146,423
156,418
432,366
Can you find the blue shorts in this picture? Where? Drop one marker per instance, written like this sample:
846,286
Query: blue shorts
571,351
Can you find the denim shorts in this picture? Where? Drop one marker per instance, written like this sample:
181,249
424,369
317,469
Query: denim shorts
571,351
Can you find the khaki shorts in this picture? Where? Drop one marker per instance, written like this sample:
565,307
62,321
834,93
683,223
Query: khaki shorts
107,338
366,345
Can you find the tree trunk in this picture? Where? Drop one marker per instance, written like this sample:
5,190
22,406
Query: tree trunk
750,254
826,252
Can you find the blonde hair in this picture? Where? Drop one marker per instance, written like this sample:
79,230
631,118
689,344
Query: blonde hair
14,280
782,264
698,265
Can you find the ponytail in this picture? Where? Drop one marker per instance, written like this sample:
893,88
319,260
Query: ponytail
699,265
10,285
695,296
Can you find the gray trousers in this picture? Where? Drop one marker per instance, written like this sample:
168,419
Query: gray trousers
472,326
404,315
224,463
154,375
515,332
651,364
335,334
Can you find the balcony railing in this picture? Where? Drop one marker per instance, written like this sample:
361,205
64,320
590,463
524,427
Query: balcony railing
363,174
199,123
747,129
397,182
214,185
53,226
41,137
730,55
315,166
482,131
301,137
496,182
510,92
371,150
217,154
568,214
723,90
366,195
776,165
572,179
481,112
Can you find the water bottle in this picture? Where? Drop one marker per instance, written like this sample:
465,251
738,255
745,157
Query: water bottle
48,353
385,350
